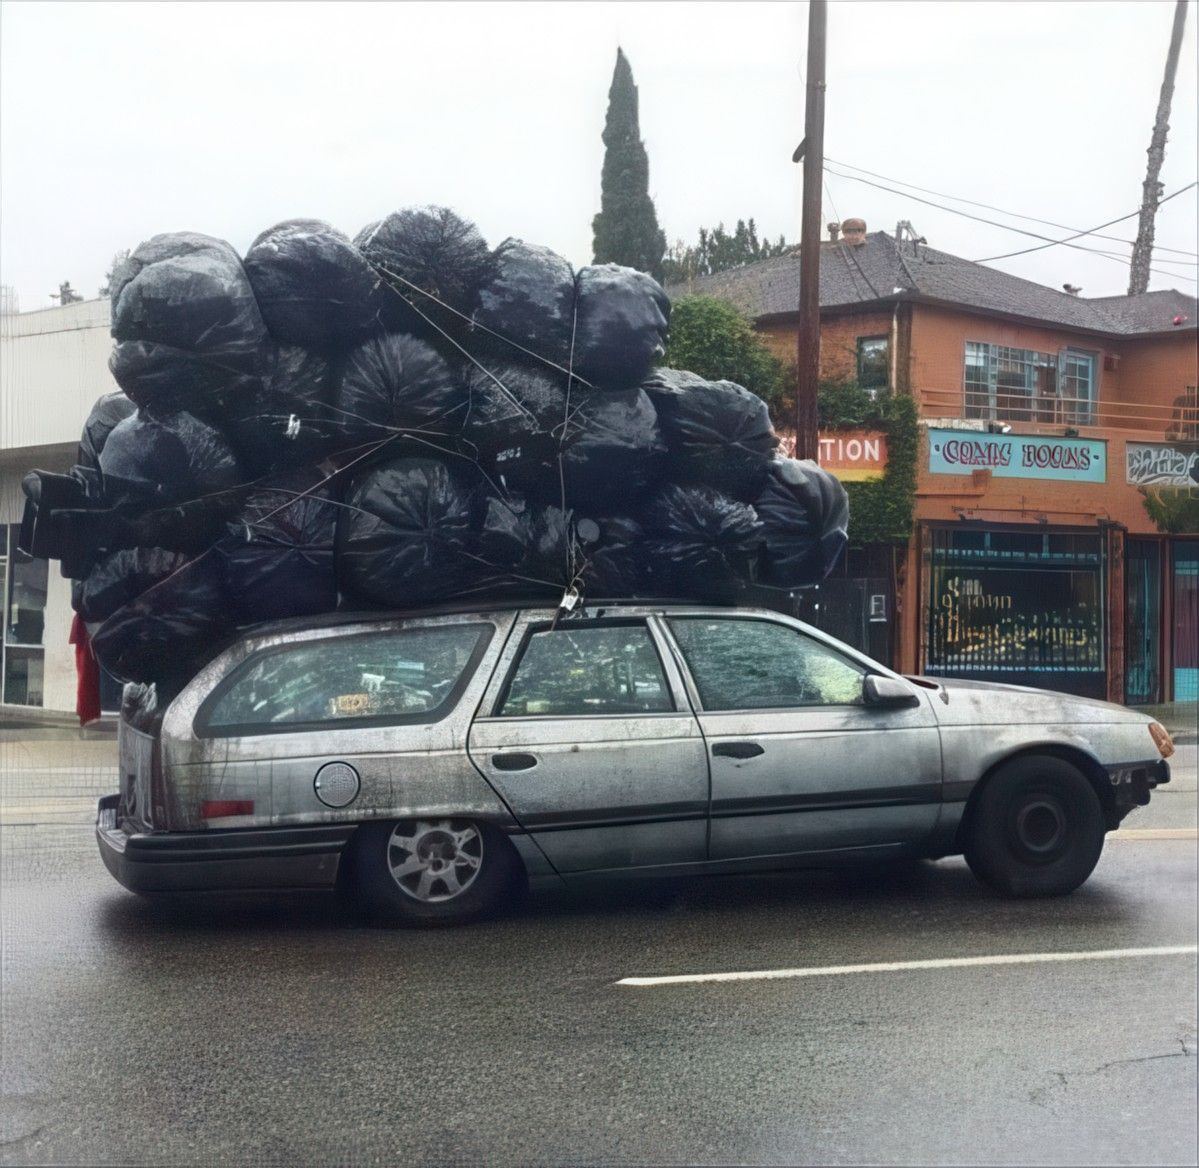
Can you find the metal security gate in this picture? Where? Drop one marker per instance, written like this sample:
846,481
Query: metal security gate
1017,606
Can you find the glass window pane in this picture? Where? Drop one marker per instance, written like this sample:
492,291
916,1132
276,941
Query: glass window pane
27,580
753,664
397,674
874,362
605,669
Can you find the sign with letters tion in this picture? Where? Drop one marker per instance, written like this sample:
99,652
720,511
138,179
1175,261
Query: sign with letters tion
851,455
1017,456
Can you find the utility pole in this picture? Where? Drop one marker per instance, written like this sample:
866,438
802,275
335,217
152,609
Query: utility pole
1142,252
808,343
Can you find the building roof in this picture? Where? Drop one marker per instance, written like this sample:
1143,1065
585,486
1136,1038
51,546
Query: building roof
883,269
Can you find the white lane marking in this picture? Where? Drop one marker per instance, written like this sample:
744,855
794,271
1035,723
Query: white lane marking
1155,833
899,966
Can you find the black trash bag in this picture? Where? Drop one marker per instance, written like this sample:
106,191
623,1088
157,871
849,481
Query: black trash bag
397,384
289,419
154,459
168,379
530,551
805,515
717,432
515,431
404,534
108,411
622,317
614,452
529,302
277,558
313,286
143,706
610,445
123,576
615,565
170,631
434,265
186,322
700,544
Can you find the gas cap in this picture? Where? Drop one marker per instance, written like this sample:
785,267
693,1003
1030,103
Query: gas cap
336,784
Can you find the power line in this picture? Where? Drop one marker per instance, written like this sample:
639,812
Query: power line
1080,234
1001,210
1019,230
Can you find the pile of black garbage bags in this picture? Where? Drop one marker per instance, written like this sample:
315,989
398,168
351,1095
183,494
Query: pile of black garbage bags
401,420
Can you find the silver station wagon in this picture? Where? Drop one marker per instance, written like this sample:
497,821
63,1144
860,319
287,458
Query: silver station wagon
428,765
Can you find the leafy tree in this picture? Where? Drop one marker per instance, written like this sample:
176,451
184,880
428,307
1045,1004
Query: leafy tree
712,338
626,229
718,251
1173,509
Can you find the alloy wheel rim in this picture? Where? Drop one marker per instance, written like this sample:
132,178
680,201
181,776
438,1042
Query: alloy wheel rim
433,861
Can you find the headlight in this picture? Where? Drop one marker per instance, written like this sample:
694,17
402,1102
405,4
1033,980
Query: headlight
1161,739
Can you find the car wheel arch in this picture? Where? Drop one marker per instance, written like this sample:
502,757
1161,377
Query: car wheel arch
1089,766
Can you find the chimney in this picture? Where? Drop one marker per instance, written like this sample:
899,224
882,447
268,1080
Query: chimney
854,231
833,231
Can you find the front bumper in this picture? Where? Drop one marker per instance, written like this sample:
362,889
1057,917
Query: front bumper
1133,781
217,861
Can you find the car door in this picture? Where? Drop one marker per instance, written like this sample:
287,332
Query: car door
587,734
799,762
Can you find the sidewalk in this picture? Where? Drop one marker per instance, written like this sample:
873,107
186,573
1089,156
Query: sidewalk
1180,718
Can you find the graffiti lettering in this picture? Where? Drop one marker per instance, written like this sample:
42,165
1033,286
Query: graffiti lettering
1160,466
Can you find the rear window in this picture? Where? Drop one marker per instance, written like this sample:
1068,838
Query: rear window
400,675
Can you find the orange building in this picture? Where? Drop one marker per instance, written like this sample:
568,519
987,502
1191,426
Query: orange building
1045,417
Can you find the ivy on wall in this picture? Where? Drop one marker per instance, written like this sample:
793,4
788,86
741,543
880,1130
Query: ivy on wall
880,510
1175,510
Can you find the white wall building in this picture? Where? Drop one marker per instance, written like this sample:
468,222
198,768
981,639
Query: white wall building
53,367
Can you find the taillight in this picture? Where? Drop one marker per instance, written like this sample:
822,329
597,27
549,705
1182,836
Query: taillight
1161,739
223,808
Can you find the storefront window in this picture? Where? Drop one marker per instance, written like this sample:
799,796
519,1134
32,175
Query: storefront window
24,590
1023,607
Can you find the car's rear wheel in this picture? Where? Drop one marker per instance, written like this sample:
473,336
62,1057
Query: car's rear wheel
1036,828
432,871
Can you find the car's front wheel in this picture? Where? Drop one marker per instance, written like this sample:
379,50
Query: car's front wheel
432,871
1036,828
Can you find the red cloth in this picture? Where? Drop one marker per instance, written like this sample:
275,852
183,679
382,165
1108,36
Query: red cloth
87,674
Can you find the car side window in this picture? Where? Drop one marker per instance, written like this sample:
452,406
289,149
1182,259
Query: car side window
393,675
759,664
573,670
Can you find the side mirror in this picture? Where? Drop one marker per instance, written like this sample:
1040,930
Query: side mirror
888,691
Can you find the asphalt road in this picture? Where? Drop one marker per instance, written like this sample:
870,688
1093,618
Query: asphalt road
281,1031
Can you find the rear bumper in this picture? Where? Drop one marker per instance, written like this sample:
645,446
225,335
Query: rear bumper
212,861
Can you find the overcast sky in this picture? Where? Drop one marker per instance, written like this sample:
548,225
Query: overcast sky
118,121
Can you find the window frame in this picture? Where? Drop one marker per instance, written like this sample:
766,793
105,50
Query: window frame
531,630
860,344
202,727
867,667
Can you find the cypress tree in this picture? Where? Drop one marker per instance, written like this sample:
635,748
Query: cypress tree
626,229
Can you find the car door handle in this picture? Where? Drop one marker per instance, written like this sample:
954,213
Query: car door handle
513,762
737,750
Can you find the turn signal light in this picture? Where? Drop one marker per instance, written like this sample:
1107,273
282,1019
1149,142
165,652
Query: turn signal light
1161,739
223,808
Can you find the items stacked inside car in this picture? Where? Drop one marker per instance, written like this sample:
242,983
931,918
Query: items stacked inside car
403,420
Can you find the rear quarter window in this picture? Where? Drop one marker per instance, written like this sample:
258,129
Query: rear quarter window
393,676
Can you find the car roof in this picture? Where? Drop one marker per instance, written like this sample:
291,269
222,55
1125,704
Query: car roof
462,608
